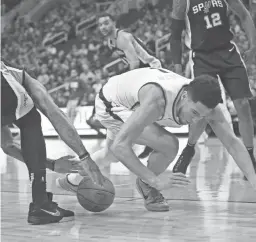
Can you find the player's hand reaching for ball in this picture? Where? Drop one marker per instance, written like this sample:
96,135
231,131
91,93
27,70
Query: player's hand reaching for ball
66,164
91,168
173,180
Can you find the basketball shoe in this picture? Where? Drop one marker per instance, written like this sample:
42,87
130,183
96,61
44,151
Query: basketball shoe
67,214
45,213
64,184
153,199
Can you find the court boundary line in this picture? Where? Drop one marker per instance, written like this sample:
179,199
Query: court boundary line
133,199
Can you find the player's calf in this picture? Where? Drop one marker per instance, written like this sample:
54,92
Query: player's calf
246,127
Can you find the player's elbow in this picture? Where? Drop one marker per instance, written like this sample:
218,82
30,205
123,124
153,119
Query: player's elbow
43,102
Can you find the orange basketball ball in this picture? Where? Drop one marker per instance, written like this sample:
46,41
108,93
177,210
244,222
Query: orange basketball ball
93,197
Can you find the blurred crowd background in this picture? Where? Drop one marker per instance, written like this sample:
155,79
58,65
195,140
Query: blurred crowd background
62,44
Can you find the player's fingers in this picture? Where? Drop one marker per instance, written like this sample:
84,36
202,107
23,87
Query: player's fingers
76,162
179,174
68,157
181,183
182,179
77,166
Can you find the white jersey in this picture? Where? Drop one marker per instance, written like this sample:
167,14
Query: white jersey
121,91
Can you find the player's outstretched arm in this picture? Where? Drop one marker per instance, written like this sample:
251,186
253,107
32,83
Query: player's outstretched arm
125,43
62,165
233,145
177,26
247,22
152,105
63,126
135,52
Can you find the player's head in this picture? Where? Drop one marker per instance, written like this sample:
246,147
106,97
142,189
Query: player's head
106,23
202,95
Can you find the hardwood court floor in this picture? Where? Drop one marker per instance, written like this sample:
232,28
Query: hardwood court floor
217,206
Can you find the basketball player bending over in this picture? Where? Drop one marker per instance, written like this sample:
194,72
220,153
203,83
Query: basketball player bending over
209,38
129,48
135,105
20,93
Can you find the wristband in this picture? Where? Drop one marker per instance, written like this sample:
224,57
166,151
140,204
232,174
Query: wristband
84,156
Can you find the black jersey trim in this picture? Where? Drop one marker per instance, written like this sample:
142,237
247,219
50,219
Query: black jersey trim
109,106
175,104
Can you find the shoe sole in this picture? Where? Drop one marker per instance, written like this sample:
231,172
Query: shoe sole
33,220
141,193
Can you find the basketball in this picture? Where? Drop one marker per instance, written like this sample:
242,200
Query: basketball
93,197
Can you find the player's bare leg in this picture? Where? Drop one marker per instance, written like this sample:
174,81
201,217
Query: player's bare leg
246,127
165,146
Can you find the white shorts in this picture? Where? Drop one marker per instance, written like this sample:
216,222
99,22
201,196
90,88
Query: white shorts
112,118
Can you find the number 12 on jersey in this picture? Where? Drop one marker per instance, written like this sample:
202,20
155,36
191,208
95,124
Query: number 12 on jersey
212,20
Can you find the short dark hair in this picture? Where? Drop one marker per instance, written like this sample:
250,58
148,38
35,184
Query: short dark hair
102,15
205,89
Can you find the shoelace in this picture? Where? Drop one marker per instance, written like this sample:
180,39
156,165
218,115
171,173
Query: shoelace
148,189
157,196
154,194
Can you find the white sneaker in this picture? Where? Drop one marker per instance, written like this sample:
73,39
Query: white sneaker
64,184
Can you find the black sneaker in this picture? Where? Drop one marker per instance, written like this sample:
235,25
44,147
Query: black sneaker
46,213
67,214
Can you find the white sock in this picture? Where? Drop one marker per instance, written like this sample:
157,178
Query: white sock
74,178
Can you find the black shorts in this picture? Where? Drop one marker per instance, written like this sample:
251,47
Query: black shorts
227,63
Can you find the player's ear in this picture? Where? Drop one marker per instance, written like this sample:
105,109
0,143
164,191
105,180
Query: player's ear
184,95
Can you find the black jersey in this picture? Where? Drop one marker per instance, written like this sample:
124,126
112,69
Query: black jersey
207,24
